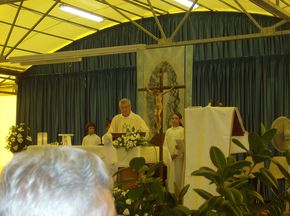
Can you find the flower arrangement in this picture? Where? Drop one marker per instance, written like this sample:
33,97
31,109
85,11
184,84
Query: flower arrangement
18,138
131,139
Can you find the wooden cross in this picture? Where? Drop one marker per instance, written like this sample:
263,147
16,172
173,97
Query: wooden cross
160,89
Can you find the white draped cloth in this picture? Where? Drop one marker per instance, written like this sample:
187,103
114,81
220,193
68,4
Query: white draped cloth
120,123
176,167
92,139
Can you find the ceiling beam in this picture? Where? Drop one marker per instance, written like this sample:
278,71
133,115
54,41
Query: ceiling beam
5,71
25,50
132,21
272,8
249,15
155,8
11,27
8,1
221,39
157,20
31,29
36,31
6,92
140,6
56,18
184,18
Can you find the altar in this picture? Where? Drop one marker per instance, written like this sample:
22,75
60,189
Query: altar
150,153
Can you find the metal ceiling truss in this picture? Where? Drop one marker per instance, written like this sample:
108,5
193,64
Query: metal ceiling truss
164,41
56,18
11,27
31,29
36,31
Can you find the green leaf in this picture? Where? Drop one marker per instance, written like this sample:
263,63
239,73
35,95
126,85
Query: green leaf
204,194
137,163
183,191
238,183
256,143
239,144
227,192
182,209
136,193
207,173
240,164
218,158
256,195
257,158
268,178
282,170
268,135
263,129
152,169
287,154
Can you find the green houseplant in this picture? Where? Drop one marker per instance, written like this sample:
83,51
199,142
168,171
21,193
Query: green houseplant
235,194
148,196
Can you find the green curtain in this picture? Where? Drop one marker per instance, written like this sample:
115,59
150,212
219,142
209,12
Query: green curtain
63,104
258,86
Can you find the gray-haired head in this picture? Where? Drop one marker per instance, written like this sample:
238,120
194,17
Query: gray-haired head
125,106
56,181
124,101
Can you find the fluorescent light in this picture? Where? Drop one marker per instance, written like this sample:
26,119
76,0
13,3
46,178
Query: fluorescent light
81,13
187,3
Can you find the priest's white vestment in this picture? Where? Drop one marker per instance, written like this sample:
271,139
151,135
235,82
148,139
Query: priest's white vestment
120,123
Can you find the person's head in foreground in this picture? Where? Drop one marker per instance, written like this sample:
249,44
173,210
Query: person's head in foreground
125,107
55,182
91,128
176,119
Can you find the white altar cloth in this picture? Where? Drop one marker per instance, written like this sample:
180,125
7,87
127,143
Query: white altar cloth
150,153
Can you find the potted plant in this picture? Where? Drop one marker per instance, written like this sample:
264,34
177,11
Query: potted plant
148,197
235,195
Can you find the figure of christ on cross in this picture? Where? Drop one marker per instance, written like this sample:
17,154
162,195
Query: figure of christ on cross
158,98
158,93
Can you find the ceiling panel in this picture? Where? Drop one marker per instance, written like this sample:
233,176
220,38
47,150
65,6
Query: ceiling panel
61,24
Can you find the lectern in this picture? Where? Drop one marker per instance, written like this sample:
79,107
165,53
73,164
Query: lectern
206,127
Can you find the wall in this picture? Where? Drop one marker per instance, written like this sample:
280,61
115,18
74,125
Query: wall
8,118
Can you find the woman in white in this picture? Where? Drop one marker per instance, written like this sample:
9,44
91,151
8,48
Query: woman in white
175,169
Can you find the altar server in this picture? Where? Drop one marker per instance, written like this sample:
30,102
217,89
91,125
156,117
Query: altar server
174,138
92,138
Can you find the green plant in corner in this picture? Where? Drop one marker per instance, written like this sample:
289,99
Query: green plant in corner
148,196
235,194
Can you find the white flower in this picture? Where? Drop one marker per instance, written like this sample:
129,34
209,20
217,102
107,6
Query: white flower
126,212
29,138
123,193
20,129
145,214
128,201
19,136
20,140
136,215
12,139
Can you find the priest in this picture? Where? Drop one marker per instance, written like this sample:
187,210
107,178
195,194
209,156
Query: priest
127,119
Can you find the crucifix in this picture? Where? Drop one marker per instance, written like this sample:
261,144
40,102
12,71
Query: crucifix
158,93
